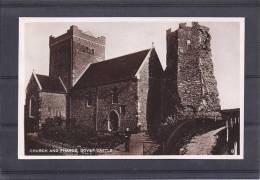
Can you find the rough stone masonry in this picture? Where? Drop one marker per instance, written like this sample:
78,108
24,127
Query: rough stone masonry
190,86
132,90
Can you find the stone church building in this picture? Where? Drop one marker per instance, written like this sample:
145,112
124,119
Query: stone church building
84,88
131,91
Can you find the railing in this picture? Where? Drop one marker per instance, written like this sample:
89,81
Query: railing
232,120
232,134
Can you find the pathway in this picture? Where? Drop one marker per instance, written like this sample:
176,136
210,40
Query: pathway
201,144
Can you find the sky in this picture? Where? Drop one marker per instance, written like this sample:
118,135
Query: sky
127,37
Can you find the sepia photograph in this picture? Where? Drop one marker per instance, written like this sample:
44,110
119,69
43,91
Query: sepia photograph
131,88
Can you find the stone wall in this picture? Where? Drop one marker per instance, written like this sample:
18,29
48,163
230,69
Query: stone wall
190,67
127,97
81,111
86,49
169,89
51,105
149,95
60,61
97,115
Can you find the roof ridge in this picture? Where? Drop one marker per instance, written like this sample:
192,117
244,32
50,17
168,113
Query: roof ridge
47,76
112,70
120,56
41,75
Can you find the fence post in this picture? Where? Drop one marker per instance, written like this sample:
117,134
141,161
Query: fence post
227,130
235,148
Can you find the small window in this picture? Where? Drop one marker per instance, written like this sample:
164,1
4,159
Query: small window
89,100
188,42
115,96
32,107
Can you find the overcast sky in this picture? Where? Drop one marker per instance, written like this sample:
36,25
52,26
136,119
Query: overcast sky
127,37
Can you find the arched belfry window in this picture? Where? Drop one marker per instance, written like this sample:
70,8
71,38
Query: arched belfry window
115,95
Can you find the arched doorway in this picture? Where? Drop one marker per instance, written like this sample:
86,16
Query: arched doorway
113,122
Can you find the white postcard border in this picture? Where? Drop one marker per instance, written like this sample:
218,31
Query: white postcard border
21,85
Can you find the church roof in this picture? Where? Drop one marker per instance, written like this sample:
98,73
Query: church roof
49,84
113,70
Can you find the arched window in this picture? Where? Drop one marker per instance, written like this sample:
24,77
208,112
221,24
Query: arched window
115,95
89,99
32,107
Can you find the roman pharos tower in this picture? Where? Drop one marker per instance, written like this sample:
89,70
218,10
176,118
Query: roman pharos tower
190,84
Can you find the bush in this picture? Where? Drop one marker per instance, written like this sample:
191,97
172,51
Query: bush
53,129
165,129
81,134
53,133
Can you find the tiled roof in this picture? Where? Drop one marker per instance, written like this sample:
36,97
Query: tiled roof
113,70
49,84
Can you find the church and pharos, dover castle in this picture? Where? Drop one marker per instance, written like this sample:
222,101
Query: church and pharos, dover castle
131,91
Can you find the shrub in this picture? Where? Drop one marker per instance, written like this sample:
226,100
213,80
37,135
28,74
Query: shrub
166,128
53,129
80,134
53,133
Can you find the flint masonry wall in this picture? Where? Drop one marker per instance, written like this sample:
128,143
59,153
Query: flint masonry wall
188,70
97,115
195,82
127,97
82,113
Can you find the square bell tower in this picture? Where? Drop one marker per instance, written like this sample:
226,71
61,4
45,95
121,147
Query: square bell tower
71,53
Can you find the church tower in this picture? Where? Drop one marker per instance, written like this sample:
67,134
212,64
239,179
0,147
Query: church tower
190,74
72,52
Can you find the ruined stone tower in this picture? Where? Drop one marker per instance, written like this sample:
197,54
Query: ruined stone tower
72,52
190,84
